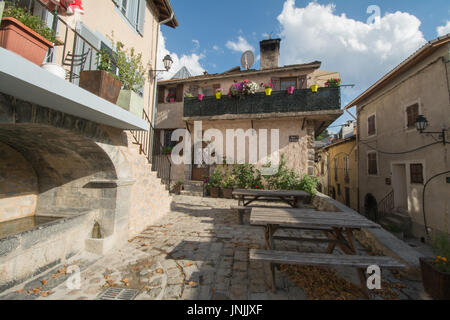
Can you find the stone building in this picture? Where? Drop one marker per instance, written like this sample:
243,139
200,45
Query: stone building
399,167
70,159
298,117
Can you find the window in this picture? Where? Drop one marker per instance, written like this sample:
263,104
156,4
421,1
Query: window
339,189
412,112
172,94
288,82
346,168
347,197
371,125
416,173
372,163
134,12
336,169
168,139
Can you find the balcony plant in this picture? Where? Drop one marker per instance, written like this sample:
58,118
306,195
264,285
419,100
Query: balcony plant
436,273
171,97
188,95
167,150
25,34
218,94
132,75
268,87
243,88
315,88
200,96
102,82
290,90
333,82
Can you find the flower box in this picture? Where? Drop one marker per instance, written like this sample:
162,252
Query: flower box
101,83
18,38
435,282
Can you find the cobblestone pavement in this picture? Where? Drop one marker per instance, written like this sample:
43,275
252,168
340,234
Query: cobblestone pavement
197,251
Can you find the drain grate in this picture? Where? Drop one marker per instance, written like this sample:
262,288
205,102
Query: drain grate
118,294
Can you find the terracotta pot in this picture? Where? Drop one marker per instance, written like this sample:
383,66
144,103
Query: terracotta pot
214,192
102,84
18,38
435,282
227,193
177,189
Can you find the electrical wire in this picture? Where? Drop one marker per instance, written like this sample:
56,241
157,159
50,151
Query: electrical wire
403,152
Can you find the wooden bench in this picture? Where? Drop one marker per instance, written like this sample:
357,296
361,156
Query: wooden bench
241,210
361,263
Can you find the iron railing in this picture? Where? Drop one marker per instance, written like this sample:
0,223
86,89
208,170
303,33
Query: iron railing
153,150
302,100
386,205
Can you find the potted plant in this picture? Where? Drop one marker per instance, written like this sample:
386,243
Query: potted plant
290,90
227,186
334,82
218,94
214,184
132,76
436,273
167,150
200,96
314,88
171,97
102,82
268,88
188,95
178,187
25,34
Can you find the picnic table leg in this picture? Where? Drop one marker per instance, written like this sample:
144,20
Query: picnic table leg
272,277
349,233
269,232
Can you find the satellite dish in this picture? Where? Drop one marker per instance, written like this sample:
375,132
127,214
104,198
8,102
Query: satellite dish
247,60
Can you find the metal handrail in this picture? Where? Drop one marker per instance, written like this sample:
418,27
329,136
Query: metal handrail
386,205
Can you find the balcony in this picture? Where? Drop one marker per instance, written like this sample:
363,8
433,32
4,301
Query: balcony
302,102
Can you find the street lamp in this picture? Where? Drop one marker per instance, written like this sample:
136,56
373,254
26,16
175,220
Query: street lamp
167,62
422,125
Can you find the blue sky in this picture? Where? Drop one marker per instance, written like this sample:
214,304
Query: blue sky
213,34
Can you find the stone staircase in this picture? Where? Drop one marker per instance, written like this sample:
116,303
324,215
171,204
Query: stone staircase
192,188
398,222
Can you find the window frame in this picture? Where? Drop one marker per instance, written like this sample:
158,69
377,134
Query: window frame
376,162
412,104
374,133
123,10
336,165
288,79
411,175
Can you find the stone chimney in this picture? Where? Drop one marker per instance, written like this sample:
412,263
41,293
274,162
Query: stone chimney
270,53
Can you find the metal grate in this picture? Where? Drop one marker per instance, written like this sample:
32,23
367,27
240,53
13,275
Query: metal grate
118,294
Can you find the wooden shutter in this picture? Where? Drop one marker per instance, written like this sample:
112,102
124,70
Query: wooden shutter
179,94
141,16
412,112
276,84
302,82
372,163
161,92
416,173
371,125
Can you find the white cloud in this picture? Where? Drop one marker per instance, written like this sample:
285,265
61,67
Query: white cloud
240,46
443,30
196,44
215,47
192,61
361,52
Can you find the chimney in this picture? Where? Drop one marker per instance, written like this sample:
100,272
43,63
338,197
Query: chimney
270,53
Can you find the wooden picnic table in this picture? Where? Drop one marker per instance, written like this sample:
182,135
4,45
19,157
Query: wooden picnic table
291,197
332,224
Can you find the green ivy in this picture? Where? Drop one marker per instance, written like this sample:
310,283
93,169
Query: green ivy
35,23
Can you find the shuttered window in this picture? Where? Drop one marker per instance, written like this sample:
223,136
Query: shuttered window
346,168
179,93
288,82
134,12
412,112
302,82
416,173
336,163
371,125
372,163
161,92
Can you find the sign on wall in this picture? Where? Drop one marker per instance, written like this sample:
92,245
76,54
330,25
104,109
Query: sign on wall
294,138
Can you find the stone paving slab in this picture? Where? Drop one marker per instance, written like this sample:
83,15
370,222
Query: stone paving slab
197,251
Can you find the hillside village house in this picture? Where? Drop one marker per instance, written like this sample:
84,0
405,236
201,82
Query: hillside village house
396,161
299,117
337,167
72,164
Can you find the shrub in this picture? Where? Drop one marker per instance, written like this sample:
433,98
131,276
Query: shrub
441,247
215,180
245,175
228,181
35,23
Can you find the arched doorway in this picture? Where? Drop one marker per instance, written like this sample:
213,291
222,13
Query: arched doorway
371,207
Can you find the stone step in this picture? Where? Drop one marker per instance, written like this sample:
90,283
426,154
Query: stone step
191,193
193,188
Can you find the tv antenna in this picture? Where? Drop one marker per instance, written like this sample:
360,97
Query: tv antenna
248,59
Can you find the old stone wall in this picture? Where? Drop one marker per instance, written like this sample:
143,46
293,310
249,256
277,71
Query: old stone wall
18,185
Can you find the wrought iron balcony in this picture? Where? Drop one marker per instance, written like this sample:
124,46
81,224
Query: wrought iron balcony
303,100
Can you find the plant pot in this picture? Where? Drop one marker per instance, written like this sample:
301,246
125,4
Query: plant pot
268,91
227,193
200,97
55,69
171,100
314,88
131,101
18,38
218,95
290,90
101,83
177,189
435,282
214,192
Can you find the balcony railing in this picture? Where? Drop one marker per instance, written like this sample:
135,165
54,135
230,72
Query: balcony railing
303,100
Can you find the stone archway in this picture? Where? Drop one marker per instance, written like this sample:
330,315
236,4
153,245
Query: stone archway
371,207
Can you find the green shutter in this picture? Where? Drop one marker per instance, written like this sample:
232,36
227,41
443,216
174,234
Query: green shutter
141,16
132,13
118,3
